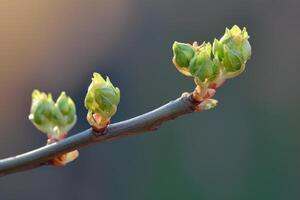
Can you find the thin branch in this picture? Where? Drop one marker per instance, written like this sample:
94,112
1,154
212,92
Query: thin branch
147,122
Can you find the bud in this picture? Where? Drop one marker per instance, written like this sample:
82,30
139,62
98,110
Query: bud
183,53
233,51
101,101
64,159
207,104
67,112
54,119
202,66
42,111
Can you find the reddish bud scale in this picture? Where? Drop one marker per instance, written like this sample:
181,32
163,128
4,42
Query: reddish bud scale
64,159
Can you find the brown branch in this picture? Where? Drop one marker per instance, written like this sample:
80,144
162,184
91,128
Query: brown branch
147,122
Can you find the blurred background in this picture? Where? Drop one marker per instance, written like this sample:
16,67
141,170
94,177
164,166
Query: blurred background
247,148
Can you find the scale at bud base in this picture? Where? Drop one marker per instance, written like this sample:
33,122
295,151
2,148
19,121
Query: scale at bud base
54,119
233,51
183,53
101,101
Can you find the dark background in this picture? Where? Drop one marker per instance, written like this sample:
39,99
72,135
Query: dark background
246,148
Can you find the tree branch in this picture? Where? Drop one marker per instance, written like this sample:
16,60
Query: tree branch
147,122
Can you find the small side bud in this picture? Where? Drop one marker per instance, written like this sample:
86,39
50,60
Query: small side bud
183,53
101,101
233,51
64,159
207,104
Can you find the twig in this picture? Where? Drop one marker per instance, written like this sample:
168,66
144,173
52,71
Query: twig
147,122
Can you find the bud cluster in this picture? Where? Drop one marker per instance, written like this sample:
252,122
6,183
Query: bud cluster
101,101
212,65
233,50
52,118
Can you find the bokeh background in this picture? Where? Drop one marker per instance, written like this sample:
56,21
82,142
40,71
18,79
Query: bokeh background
245,149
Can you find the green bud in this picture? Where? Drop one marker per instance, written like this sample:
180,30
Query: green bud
102,99
233,50
183,53
41,112
208,104
202,66
66,112
52,118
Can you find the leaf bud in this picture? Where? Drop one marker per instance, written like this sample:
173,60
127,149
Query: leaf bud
183,53
202,66
101,101
233,50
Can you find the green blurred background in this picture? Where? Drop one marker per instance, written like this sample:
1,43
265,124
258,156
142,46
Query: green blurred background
245,149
